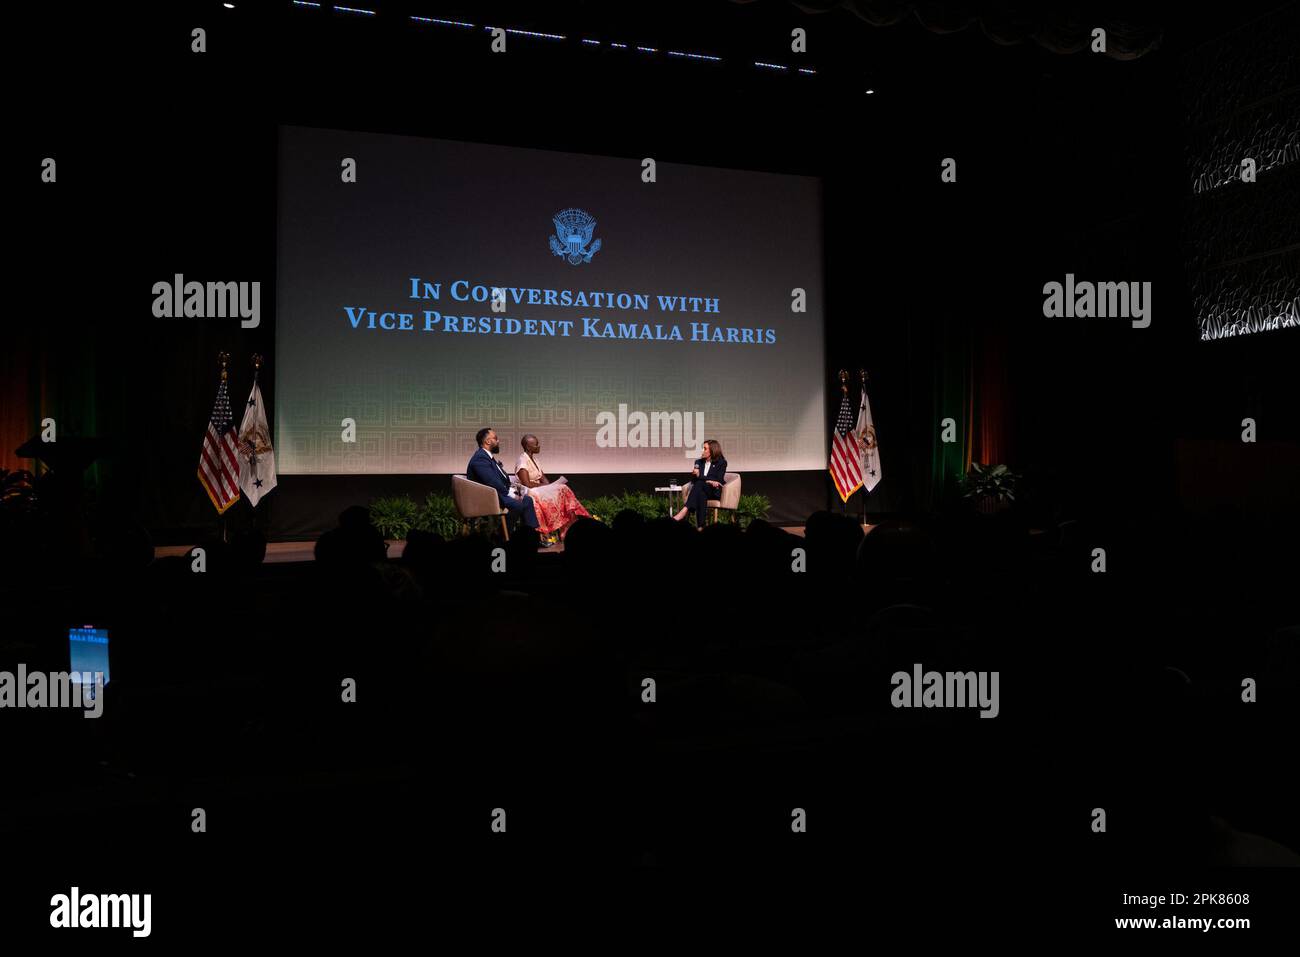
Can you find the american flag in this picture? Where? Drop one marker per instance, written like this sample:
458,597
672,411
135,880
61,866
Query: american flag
219,460
846,456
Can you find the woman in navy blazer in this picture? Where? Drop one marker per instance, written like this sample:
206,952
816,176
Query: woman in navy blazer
706,481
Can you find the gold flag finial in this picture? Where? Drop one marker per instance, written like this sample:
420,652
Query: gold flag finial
223,358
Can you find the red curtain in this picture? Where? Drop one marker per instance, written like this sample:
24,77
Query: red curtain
20,376
990,405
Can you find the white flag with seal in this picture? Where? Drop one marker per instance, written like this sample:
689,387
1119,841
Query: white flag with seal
866,433
256,457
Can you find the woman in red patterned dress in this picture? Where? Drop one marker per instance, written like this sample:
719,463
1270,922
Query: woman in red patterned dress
557,506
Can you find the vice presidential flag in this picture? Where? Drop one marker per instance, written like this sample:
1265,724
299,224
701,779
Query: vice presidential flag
846,458
219,459
256,457
866,433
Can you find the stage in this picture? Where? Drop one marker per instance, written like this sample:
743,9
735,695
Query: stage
977,497
304,551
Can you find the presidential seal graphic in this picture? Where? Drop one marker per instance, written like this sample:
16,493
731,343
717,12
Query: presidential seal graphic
572,239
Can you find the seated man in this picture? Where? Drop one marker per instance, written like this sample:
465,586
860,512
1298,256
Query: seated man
485,469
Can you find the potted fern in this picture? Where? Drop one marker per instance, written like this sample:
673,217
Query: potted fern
990,488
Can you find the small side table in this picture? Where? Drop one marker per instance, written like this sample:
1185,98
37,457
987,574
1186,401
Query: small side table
672,493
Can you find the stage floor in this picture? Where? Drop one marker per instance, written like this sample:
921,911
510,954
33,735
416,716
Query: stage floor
305,551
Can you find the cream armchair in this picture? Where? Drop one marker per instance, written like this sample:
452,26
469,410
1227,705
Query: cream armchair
475,500
728,497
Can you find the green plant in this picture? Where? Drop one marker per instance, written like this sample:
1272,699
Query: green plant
995,481
646,504
602,507
394,516
651,506
752,506
438,514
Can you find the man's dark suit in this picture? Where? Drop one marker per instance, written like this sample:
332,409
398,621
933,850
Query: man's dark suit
486,470
702,491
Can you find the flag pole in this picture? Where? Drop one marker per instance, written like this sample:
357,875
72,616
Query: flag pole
862,375
844,391
224,358
252,455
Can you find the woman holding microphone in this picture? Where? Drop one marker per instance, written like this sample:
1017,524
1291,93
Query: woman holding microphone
707,476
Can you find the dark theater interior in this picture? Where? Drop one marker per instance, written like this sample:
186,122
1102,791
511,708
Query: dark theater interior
831,460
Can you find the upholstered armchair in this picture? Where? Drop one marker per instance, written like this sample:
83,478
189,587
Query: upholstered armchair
475,500
728,496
